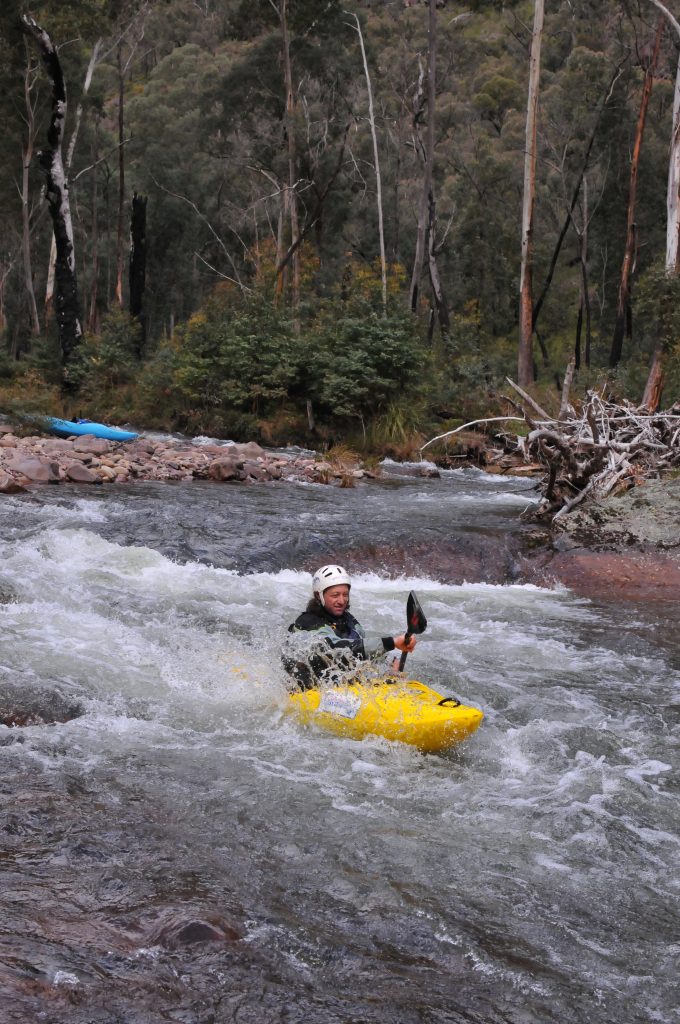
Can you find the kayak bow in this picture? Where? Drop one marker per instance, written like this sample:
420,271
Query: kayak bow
397,709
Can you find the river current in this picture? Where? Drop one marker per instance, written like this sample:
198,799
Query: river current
529,876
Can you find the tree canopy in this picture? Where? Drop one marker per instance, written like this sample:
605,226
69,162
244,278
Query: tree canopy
246,128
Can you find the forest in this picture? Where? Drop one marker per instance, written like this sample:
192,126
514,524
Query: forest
323,221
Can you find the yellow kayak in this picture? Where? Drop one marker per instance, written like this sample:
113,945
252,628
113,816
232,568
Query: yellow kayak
396,708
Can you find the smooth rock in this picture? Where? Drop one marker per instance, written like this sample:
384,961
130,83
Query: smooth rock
146,446
250,450
56,445
224,469
80,474
93,445
37,470
256,470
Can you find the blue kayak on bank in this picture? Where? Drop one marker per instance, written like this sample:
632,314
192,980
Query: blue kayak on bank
69,428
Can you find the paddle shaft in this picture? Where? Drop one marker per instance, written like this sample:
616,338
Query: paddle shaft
404,654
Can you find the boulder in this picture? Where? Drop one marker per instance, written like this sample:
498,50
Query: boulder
91,444
250,450
215,449
256,470
56,444
148,447
8,485
225,469
37,470
8,441
80,474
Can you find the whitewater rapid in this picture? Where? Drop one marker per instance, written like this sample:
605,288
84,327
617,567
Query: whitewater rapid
530,875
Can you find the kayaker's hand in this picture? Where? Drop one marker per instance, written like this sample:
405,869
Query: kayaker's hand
402,644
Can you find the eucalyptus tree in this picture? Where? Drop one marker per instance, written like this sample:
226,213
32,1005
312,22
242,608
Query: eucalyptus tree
525,369
284,133
56,190
623,307
655,380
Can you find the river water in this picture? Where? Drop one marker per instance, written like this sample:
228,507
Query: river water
530,876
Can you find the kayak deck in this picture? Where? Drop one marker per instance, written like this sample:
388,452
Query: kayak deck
397,709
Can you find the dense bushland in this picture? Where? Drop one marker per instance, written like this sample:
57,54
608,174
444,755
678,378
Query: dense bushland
246,125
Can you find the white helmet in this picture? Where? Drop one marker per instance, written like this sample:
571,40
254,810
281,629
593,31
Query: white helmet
329,576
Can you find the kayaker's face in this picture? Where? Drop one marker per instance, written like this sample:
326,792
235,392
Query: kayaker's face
336,599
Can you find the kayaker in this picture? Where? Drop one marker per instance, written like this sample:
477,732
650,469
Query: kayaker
338,640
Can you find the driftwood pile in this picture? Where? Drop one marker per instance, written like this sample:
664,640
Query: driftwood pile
587,455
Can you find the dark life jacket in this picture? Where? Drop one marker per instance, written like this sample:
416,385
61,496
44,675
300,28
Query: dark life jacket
341,633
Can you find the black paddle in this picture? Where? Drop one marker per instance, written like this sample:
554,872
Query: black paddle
415,623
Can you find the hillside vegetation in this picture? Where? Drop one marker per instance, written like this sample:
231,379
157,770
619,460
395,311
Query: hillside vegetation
270,292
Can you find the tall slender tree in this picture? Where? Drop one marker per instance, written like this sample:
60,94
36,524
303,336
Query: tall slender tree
30,72
376,166
655,381
57,193
623,304
525,369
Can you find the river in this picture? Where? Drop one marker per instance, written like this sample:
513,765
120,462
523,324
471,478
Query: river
529,876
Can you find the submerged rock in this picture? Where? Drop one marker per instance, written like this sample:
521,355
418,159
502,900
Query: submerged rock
23,704
176,932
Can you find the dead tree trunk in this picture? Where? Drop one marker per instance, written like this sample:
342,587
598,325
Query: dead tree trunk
67,306
138,266
525,360
623,306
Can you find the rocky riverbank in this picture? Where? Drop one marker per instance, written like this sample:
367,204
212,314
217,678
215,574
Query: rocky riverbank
627,546
26,461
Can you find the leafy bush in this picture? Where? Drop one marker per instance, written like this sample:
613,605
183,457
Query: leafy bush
360,359
234,358
108,360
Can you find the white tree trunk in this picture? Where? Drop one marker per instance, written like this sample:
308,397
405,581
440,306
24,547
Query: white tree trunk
654,386
56,191
525,367
376,165
49,287
673,191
